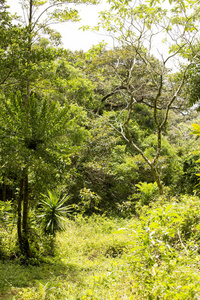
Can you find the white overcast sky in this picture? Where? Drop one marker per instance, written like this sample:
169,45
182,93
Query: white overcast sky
75,39
72,37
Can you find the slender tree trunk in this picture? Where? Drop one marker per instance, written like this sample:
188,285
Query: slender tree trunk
26,246
24,225
19,209
157,178
4,187
152,165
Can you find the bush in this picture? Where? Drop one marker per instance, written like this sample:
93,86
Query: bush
7,220
165,250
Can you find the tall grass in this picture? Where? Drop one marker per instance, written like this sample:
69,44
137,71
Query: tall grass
153,257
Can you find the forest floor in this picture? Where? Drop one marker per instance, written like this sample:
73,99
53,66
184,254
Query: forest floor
100,258
88,264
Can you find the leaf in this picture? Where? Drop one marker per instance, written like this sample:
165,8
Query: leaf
197,129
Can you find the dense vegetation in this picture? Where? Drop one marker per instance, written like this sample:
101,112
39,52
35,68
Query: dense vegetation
99,190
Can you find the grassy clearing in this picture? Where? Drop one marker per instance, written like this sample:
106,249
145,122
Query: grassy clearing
88,264
97,258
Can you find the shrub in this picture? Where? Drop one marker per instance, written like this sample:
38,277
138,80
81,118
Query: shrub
53,212
165,250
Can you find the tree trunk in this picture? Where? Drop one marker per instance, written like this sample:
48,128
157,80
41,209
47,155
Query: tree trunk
152,164
157,178
19,211
4,187
25,242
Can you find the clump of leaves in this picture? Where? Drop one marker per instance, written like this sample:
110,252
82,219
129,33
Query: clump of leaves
7,221
5,211
89,201
146,191
196,130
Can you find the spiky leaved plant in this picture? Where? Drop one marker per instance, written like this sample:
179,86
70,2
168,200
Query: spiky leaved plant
54,210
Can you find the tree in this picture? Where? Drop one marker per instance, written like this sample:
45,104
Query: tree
136,28
29,122
48,139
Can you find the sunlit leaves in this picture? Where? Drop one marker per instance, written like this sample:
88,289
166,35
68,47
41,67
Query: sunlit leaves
39,2
163,244
65,15
196,129
47,12
51,128
54,209
177,20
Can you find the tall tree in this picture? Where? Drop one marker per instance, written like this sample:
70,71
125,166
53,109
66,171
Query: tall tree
138,27
48,139
31,114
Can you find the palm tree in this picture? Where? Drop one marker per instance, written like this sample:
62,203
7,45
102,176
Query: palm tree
24,138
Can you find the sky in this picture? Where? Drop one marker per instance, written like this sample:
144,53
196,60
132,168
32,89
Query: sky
72,37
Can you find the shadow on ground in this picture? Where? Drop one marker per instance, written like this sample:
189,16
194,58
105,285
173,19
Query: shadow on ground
14,276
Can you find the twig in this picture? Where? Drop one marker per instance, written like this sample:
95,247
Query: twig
181,241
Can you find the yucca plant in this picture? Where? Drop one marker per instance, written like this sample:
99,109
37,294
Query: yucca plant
54,210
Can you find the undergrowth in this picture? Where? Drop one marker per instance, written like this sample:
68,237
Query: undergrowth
153,257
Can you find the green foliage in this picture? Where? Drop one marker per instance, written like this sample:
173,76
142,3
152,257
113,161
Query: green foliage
144,117
188,182
89,201
140,80
154,257
169,164
86,264
46,121
11,41
196,131
7,219
53,212
49,128
192,87
144,195
58,80
165,246
53,134
5,210
147,192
